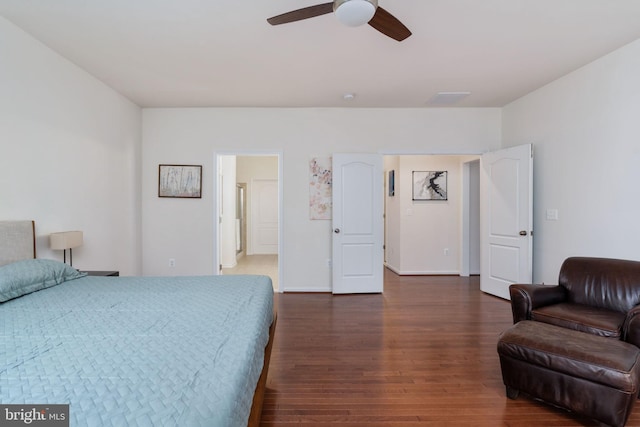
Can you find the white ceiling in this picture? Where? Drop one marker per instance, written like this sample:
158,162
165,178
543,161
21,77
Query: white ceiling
187,53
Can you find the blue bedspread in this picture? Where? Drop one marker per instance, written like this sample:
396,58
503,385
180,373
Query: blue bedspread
139,351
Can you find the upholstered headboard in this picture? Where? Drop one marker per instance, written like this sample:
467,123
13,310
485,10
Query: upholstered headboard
17,241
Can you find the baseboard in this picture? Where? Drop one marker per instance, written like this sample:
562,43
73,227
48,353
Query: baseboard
423,272
429,273
307,290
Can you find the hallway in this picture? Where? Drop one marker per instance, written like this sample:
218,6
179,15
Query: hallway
257,264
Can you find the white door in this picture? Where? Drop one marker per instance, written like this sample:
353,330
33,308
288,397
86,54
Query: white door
264,216
357,223
506,219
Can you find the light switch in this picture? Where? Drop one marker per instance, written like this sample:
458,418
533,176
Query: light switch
552,214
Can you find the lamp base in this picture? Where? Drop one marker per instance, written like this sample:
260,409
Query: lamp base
64,256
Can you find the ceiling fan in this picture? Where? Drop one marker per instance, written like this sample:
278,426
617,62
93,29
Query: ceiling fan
351,13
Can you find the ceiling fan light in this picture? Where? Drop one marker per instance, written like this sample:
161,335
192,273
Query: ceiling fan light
354,13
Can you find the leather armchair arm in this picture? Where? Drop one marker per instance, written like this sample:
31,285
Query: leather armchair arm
631,327
527,297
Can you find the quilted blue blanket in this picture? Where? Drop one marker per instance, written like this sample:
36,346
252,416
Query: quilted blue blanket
139,351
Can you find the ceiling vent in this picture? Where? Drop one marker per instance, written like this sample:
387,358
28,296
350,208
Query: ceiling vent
447,98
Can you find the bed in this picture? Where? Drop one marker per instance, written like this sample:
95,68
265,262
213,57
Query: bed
156,351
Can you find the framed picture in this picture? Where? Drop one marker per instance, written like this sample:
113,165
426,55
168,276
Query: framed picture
392,183
184,181
429,185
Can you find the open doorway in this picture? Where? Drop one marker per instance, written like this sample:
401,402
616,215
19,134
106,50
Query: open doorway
249,222
432,235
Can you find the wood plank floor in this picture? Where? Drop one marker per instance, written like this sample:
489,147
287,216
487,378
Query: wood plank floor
421,354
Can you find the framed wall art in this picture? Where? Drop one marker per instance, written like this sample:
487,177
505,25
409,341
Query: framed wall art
182,181
392,183
429,185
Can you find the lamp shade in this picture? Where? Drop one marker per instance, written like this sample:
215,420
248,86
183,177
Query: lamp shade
65,240
354,13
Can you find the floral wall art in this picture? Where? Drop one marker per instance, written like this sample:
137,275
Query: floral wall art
320,188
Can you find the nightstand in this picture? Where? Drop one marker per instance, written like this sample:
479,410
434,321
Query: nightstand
102,273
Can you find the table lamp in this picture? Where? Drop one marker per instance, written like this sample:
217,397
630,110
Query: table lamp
66,240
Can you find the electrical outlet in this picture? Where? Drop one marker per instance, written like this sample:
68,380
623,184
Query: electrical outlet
329,262
446,251
172,262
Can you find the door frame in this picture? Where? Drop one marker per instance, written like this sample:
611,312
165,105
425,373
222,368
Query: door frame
216,206
469,232
243,220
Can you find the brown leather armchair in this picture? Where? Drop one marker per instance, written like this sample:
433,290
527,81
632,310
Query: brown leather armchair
600,296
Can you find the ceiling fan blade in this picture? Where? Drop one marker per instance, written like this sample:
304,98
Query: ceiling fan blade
389,25
300,14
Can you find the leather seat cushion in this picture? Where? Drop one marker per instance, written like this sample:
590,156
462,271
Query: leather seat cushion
596,359
584,318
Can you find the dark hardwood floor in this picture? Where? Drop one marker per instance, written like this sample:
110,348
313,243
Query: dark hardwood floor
421,354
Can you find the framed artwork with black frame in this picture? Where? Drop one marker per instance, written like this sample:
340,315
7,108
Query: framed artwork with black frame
429,185
181,181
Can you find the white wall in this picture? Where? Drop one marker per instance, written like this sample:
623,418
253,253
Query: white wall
184,229
256,167
585,129
69,155
70,158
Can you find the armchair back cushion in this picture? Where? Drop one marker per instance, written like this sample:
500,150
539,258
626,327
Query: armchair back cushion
612,284
600,296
